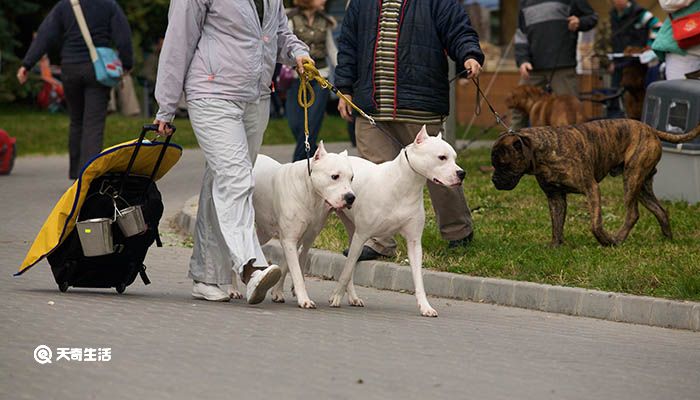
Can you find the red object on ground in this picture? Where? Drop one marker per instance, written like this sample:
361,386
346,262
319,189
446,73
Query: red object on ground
8,152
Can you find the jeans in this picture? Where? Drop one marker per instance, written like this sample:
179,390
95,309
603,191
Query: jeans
295,117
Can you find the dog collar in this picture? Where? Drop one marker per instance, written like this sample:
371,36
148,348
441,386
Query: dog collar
405,152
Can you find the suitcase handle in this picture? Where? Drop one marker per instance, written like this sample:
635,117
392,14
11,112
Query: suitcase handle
147,128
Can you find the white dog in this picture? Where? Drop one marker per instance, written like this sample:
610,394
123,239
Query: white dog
293,207
390,201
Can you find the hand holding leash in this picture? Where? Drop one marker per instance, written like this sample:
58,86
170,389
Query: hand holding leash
473,68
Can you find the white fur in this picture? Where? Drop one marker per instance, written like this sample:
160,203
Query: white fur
389,201
293,207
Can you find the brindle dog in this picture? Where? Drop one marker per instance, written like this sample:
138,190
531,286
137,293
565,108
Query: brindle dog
573,159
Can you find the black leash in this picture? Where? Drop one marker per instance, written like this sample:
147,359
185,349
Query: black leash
477,108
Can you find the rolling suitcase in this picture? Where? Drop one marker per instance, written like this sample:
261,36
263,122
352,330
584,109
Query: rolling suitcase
100,253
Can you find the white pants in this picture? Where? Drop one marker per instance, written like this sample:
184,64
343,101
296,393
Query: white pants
677,65
230,135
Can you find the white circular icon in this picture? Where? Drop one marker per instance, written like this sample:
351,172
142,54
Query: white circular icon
43,354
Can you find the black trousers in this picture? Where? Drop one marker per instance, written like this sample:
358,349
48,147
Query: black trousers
87,105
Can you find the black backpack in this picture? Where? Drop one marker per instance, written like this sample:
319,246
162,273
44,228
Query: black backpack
71,267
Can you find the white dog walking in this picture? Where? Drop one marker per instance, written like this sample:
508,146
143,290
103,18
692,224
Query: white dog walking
293,205
390,201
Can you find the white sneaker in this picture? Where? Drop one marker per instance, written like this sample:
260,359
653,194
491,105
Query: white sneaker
205,291
260,282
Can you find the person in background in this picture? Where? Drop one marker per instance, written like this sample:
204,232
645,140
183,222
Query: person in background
631,26
545,45
86,98
393,63
678,61
315,28
223,54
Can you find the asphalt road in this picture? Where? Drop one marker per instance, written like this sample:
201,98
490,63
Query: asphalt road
163,344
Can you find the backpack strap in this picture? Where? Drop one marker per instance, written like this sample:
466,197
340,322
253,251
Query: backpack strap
144,277
159,243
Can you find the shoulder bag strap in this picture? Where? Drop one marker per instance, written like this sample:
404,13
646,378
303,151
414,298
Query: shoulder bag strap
84,29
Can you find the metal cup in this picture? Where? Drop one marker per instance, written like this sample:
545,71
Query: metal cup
96,236
130,221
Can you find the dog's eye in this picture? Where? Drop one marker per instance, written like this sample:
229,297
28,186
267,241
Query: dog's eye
352,178
442,158
335,177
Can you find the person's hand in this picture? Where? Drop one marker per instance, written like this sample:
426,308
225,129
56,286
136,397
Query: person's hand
525,69
300,63
574,23
345,109
22,75
611,68
473,67
164,128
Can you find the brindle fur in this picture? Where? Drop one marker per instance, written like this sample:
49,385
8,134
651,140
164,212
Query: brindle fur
574,159
545,109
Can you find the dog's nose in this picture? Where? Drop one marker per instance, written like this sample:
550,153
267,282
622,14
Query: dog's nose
461,174
349,198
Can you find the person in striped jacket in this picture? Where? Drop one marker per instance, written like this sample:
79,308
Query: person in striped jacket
393,63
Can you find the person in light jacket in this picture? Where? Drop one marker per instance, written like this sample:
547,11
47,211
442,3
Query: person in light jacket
223,53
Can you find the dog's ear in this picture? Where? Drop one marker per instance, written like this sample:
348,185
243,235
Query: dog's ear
421,136
344,153
522,144
320,151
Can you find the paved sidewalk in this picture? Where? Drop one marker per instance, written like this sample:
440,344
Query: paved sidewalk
165,345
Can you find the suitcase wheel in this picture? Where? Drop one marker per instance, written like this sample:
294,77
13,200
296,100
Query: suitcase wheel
120,288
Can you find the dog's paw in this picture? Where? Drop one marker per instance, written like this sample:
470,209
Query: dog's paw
277,296
231,291
356,302
308,304
335,300
428,311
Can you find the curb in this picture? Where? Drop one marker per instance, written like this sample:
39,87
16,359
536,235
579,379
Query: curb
609,306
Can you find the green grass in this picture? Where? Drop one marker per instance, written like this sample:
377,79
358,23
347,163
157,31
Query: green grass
512,233
40,132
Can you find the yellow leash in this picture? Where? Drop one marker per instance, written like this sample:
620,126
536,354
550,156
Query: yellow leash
306,98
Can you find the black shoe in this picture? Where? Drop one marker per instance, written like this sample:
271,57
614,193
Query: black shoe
367,254
464,242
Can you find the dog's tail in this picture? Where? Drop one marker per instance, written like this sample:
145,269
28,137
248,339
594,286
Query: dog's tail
669,137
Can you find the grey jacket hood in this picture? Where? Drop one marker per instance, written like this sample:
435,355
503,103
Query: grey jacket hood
218,49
